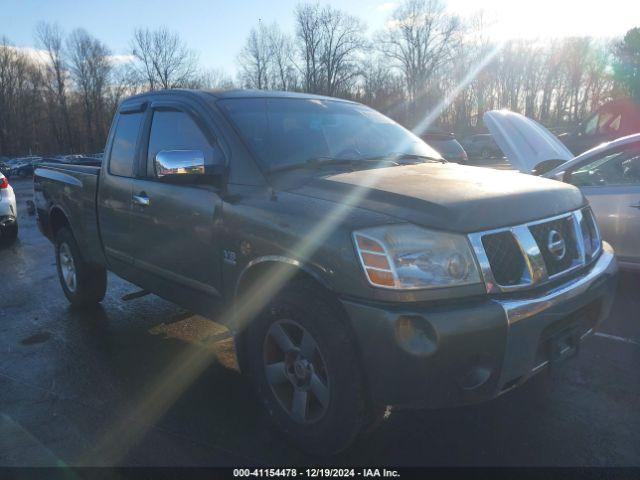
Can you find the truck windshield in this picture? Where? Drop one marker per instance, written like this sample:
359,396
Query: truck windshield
285,132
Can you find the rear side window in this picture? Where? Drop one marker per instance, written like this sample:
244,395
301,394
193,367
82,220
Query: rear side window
123,150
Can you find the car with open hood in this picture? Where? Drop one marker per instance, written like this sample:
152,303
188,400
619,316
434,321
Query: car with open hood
608,175
354,266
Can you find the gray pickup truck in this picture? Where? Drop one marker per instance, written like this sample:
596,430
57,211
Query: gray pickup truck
356,269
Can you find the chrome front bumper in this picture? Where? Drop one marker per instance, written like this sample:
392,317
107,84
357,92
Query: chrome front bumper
581,304
517,310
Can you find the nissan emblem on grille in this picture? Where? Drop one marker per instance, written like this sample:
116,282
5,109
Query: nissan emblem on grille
556,245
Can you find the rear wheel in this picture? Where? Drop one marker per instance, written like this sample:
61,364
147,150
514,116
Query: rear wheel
303,365
83,284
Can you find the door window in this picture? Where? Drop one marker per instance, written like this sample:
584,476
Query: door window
614,125
621,167
176,130
591,126
123,150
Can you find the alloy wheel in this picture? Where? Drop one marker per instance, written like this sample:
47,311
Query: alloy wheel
296,371
68,268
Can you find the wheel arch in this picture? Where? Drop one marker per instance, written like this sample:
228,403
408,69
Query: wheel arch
258,269
258,266
58,219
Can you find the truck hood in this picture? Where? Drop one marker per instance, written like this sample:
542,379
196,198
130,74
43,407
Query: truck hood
524,142
448,196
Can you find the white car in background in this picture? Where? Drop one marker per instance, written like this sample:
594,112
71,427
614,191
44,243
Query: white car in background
8,212
608,175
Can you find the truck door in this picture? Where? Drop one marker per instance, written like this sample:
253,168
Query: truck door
114,189
611,183
176,225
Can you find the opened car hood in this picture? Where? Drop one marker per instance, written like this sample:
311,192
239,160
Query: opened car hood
525,142
448,196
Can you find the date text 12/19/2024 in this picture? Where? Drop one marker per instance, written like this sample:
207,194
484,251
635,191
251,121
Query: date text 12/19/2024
315,472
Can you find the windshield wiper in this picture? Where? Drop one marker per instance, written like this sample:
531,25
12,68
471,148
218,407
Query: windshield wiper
318,162
397,157
312,163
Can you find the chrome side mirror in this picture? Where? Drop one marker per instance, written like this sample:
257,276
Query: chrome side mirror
179,162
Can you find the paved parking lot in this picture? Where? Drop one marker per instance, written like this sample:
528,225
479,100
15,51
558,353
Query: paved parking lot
118,386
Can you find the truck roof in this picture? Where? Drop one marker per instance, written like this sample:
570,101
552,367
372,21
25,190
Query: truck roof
236,93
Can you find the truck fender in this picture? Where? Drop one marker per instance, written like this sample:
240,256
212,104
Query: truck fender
317,273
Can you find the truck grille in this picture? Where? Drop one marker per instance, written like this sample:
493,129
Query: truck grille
504,255
527,255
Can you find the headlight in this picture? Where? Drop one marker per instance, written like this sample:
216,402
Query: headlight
406,257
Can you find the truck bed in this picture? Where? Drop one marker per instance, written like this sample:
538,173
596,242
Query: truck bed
70,190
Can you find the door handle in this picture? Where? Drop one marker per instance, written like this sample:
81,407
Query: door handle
141,200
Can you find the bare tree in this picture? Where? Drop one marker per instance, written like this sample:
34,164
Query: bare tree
215,79
163,59
309,36
255,59
124,81
283,68
419,40
381,87
329,42
266,60
50,38
19,84
90,68
343,40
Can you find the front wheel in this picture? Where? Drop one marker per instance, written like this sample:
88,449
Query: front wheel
304,367
83,284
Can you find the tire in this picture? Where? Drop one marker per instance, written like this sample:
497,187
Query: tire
9,234
303,311
89,283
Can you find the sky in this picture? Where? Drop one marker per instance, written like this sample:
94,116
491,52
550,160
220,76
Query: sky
217,29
